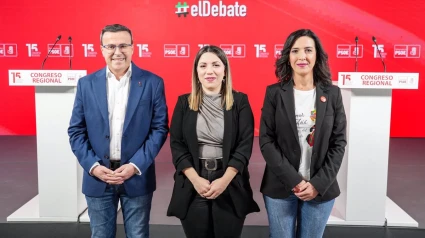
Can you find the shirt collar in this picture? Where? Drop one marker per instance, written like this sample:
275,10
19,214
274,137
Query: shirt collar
109,74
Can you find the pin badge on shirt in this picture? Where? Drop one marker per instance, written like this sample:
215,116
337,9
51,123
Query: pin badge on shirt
323,99
140,84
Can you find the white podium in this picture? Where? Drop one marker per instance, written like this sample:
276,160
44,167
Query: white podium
364,171
59,173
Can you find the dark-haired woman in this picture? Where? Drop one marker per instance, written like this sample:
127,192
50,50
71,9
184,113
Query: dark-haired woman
302,139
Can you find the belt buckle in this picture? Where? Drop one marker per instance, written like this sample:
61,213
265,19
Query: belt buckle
113,165
211,164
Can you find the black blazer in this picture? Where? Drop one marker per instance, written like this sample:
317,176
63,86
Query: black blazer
237,149
281,149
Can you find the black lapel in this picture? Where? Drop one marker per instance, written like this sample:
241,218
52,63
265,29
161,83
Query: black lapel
191,135
322,99
287,94
227,137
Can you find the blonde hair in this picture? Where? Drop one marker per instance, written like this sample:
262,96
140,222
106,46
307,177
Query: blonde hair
195,97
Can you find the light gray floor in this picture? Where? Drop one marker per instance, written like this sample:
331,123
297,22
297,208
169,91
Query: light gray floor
18,178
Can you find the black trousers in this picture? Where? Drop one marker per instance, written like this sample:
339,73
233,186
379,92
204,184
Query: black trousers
212,218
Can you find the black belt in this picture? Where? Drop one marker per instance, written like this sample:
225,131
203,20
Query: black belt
114,164
211,164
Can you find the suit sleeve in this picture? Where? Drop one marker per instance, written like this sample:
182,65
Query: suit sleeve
180,152
146,154
326,175
271,151
77,131
239,159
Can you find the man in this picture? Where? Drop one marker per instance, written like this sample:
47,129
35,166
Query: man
119,123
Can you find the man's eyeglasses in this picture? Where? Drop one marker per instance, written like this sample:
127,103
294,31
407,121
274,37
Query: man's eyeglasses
121,47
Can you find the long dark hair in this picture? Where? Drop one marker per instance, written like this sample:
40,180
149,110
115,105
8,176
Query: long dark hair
321,70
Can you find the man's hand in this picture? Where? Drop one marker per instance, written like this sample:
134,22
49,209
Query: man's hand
106,175
125,171
307,192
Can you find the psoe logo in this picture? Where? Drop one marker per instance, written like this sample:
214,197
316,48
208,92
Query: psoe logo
89,50
278,50
349,51
234,50
379,48
261,51
61,50
403,80
72,77
144,51
407,51
33,50
8,50
176,50
206,9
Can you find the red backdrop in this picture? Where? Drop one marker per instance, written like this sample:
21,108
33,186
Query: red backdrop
27,27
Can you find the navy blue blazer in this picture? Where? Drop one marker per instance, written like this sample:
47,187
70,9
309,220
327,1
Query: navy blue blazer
144,132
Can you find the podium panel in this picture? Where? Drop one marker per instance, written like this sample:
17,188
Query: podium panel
59,173
364,172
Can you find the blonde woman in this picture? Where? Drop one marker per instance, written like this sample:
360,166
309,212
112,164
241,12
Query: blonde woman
212,131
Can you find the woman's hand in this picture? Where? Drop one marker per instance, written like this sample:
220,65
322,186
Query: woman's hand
307,192
297,188
201,185
217,187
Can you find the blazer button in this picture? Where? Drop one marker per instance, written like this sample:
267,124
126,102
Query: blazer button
106,157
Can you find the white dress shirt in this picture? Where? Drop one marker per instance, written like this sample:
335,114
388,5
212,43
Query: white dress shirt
117,93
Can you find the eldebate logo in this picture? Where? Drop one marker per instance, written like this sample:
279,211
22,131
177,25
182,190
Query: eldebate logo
207,9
